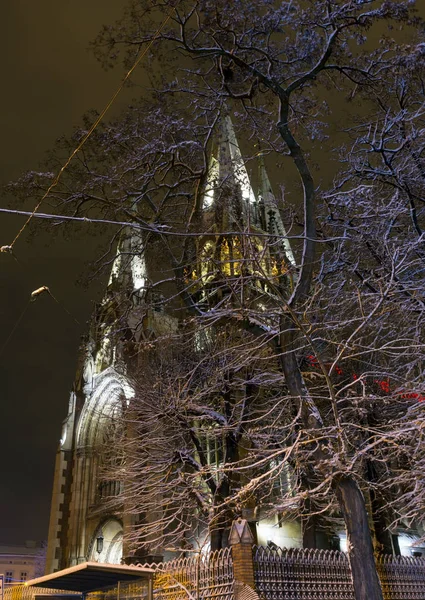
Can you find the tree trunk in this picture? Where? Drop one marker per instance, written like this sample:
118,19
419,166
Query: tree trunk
308,526
308,522
360,550
219,536
383,537
383,540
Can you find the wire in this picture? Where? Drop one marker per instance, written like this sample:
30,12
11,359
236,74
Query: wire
65,309
34,295
45,290
19,319
154,228
90,131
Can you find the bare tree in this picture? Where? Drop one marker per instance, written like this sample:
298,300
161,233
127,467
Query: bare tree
198,417
337,336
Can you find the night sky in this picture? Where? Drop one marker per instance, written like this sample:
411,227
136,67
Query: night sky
49,79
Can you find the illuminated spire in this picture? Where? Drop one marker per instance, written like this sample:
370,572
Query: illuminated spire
227,165
273,223
227,168
129,261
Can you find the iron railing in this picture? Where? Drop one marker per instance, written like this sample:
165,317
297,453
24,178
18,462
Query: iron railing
280,574
134,590
298,574
199,577
23,592
302,574
402,577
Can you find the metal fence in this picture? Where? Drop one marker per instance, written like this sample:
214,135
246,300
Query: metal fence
402,577
200,577
22,592
298,574
302,574
203,576
293,574
134,590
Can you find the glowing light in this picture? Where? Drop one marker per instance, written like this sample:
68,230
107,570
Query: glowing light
138,271
68,423
407,544
212,179
116,268
343,546
63,438
285,535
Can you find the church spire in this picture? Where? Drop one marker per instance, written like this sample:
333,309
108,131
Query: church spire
227,168
273,223
129,265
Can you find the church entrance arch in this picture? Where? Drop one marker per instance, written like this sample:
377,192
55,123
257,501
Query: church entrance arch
106,544
110,390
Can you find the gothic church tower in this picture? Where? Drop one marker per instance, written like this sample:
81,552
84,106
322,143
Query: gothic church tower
81,525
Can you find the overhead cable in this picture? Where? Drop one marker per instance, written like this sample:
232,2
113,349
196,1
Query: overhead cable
90,131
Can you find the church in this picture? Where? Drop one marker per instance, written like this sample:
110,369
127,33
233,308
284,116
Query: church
82,525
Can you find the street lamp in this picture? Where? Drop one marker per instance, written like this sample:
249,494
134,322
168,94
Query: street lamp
99,542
